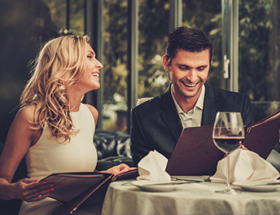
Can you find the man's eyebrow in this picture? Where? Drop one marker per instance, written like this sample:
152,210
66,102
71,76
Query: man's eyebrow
185,65
179,64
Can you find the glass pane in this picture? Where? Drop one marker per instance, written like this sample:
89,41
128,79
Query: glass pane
57,12
58,15
153,29
115,65
259,53
77,17
206,16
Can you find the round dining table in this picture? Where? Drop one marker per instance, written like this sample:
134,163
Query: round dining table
124,198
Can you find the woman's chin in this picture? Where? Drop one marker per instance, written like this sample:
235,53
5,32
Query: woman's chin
96,86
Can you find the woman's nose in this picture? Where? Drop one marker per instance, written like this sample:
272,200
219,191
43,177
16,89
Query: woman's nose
99,64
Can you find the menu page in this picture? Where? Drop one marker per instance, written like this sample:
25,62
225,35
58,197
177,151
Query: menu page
68,186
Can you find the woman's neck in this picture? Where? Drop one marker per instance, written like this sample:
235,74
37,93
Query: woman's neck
75,97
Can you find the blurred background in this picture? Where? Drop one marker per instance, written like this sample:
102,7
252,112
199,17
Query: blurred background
129,39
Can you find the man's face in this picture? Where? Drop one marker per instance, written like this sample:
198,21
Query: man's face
188,72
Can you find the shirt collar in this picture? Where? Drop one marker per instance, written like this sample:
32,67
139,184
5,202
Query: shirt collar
199,102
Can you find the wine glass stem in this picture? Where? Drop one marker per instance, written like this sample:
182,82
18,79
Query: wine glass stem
228,174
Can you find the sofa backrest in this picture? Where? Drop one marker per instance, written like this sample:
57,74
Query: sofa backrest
112,143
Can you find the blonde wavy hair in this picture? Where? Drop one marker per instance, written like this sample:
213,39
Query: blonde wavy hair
60,63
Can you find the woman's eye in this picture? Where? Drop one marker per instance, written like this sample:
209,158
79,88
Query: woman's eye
89,56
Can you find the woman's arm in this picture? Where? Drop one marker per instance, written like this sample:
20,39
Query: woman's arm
19,139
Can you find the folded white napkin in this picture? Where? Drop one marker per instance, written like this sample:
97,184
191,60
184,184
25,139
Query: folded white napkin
245,165
152,167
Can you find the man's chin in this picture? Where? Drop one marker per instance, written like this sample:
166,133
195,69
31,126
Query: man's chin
191,93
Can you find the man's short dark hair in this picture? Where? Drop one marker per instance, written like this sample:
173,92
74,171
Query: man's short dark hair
187,39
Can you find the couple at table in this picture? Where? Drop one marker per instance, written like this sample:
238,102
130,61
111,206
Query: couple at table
188,101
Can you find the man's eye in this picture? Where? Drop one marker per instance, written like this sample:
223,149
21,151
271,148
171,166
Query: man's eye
201,68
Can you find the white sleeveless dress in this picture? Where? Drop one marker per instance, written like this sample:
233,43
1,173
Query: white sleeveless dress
48,156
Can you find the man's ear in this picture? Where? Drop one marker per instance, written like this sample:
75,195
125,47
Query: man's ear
165,63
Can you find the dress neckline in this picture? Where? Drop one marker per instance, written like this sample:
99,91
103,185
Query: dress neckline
76,112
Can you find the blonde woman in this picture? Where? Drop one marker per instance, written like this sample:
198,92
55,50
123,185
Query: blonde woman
53,130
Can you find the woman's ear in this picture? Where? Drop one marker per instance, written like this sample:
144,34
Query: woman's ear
165,63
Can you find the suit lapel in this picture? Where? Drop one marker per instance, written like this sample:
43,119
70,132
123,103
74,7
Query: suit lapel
210,107
170,116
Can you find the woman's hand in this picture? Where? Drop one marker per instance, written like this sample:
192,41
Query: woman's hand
31,190
118,169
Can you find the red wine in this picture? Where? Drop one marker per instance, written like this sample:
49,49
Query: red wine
228,144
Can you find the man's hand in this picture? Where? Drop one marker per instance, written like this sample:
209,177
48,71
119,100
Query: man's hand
242,147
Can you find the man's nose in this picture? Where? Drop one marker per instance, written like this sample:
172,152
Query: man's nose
192,76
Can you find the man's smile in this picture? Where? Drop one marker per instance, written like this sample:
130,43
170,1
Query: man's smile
190,85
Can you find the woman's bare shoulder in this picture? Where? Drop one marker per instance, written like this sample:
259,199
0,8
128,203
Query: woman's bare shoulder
93,111
27,113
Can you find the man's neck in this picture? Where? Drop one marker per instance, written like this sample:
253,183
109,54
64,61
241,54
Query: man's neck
185,103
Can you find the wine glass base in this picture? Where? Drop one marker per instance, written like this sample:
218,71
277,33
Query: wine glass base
228,191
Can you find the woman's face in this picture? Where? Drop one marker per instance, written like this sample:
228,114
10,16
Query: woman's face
90,78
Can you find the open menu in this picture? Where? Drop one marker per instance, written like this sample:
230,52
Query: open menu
69,185
74,188
263,135
196,154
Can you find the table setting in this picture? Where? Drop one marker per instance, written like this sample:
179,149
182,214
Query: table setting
244,183
152,174
242,168
191,195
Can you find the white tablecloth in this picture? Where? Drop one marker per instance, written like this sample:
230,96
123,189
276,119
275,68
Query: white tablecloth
123,198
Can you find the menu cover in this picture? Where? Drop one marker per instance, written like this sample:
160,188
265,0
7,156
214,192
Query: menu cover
73,189
69,185
196,154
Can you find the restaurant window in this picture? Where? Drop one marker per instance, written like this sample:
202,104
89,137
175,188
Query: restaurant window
153,29
114,108
57,13
76,17
153,80
259,51
68,15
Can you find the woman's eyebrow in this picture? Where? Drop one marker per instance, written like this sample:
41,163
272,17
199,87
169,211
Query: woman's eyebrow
91,52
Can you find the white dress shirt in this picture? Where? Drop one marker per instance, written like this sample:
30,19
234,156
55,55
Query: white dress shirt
193,117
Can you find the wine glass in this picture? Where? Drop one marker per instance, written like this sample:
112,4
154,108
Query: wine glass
228,135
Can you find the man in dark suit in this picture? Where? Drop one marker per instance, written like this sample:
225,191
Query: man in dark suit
158,123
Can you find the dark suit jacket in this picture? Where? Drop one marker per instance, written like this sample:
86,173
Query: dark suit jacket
156,124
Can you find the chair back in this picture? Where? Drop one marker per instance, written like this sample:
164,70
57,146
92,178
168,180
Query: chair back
142,100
